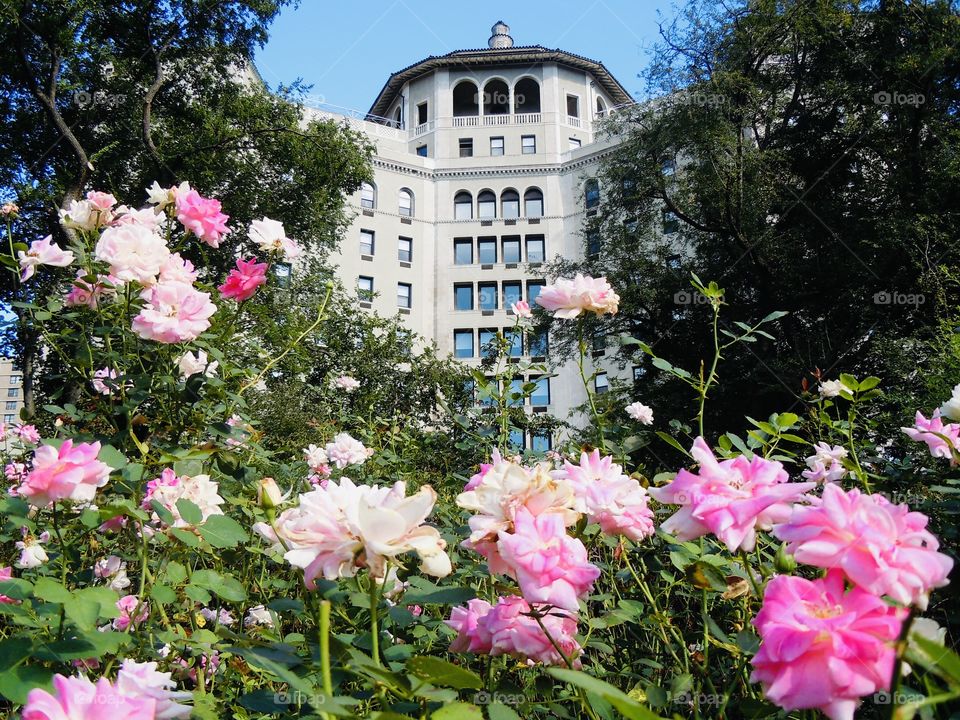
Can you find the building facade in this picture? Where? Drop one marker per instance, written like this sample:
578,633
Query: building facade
483,171
11,394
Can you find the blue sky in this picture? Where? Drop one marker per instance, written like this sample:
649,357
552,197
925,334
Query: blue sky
346,50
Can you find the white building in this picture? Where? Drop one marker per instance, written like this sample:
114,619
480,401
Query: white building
482,172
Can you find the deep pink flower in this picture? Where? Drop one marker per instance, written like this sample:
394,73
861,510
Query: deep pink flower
70,473
730,499
6,573
568,298
549,565
42,252
243,282
821,647
617,502
472,633
27,433
77,698
881,547
942,439
202,217
132,612
87,294
514,632
175,312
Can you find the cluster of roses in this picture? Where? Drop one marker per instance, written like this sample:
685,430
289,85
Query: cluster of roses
942,438
340,452
828,642
519,525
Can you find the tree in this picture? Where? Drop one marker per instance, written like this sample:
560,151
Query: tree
804,156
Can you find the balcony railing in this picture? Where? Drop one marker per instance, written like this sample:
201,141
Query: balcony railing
424,128
466,121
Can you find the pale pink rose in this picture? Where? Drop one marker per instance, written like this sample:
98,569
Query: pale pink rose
145,217
102,201
198,489
881,547
143,680
176,269
610,498
521,309
832,388
221,616
6,573
112,568
942,439
202,217
569,298
31,549
345,383
345,450
826,464
84,215
822,647
77,698
175,312
241,431
640,412
477,478
70,473
83,293
242,283
42,252
731,499
471,627
9,209
133,252
191,364
270,236
549,565
162,197
315,456
108,374
258,615
513,631
132,612
27,433
951,408
15,472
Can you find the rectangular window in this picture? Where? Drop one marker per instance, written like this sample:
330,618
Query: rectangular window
671,223
8,418
463,207
601,384
15,379
13,392
537,344
593,244
515,337
466,147
638,372
463,343
541,443
11,404
463,296
365,288
512,293
575,143
368,196
487,293
510,204
515,398
404,295
496,146
516,439
487,250
405,249
599,341
511,249
422,113
541,393
573,106
488,342
536,252
422,150
367,242
463,251
533,289
529,144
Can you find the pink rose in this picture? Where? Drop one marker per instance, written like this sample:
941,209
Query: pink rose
472,633
132,612
175,312
521,309
70,473
6,573
42,252
100,200
243,282
77,698
83,293
568,298
134,253
942,439
202,217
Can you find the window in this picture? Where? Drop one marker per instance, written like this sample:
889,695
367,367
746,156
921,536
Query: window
11,404
406,203
365,288
601,384
511,249
529,144
673,262
533,290
538,345
591,192
496,146
541,443
463,343
490,387
515,338
601,108
573,106
368,196
598,341
515,398
496,98
533,203
516,439
510,204
487,295
15,379
487,250
463,206
404,295
541,391
535,249
463,251
367,242
486,205
512,293
526,96
488,341
575,143
463,296
638,372
470,389
593,244
405,249
422,151
466,147
466,99
671,223
668,167
422,113
8,418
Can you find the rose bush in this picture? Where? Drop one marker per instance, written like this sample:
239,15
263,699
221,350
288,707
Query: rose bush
165,557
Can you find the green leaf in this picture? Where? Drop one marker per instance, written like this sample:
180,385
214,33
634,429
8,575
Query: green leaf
671,441
497,711
50,590
165,515
775,315
175,573
163,594
869,383
185,536
443,596
850,381
17,682
945,662
13,650
224,586
112,457
16,588
83,612
189,511
458,711
223,532
443,673
197,594
627,706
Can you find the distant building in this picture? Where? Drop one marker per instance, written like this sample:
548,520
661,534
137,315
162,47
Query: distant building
484,169
11,393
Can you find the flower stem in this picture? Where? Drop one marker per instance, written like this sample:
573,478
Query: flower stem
374,628
325,653
586,386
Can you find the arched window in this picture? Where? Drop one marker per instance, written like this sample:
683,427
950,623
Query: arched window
496,98
406,203
466,99
591,192
486,205
601,108
526,96
463,206
398,117
368,196
509,204
533,203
